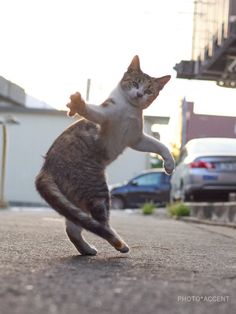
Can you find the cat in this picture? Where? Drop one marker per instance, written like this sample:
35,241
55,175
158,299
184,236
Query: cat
72,178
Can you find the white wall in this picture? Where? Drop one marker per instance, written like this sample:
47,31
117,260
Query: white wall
27,143
30,140
128,165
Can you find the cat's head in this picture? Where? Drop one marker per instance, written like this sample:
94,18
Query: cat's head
141,89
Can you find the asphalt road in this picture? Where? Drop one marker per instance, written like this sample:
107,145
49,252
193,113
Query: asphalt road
173,267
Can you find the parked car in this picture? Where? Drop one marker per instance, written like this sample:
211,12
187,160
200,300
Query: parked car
206,170
150,186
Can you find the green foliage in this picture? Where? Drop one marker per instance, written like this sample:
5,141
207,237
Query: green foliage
148,208
178,209
175,151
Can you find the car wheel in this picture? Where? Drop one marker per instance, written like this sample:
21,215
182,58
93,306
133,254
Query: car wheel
185,197
117,202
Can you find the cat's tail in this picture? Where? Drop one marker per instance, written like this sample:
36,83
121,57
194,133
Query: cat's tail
49,190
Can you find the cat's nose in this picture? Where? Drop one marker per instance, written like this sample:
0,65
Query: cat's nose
139,94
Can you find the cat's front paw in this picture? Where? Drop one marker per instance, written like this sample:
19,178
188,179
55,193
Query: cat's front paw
77,104
169,166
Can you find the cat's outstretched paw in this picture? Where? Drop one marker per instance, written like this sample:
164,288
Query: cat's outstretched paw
169,166
77,104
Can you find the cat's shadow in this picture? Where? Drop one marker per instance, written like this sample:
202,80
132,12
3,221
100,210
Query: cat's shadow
96,262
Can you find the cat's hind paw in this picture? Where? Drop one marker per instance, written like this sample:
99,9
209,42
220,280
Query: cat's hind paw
124,249
169,166
92,251
121,247
77,104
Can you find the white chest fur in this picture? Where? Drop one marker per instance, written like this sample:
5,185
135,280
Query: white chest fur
123,128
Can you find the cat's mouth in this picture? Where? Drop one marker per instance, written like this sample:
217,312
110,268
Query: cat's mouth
140,101
138,105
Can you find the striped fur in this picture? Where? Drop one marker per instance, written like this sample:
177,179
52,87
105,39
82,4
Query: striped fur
72,179
76,187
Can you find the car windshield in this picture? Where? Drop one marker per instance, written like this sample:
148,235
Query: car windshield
149,179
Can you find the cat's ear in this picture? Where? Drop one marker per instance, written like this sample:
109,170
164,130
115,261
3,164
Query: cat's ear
134,65
162,81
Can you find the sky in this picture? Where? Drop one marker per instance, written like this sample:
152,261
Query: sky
51,48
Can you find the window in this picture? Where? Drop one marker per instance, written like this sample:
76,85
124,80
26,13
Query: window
149,179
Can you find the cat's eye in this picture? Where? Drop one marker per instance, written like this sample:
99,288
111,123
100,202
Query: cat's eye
148,91
135,84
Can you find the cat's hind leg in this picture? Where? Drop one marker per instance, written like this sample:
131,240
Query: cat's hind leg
74,233
99,209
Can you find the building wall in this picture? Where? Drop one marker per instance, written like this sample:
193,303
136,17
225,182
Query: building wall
232,10
29,141
211,23
11,92
200,125
128,165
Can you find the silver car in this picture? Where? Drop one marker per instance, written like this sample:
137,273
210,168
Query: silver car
206,170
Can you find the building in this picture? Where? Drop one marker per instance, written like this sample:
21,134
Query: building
214,43
29,139
195,125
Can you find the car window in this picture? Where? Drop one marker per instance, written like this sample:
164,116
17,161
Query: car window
149,179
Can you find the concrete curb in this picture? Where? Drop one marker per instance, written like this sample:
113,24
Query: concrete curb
207,222
220,213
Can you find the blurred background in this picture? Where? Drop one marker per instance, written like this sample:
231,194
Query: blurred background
50,49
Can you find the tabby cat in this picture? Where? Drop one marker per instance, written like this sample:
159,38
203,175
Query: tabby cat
72,178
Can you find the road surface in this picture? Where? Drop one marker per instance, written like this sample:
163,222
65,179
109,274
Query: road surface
173,267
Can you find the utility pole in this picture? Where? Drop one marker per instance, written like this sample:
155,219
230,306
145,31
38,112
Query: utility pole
88,89
4,122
